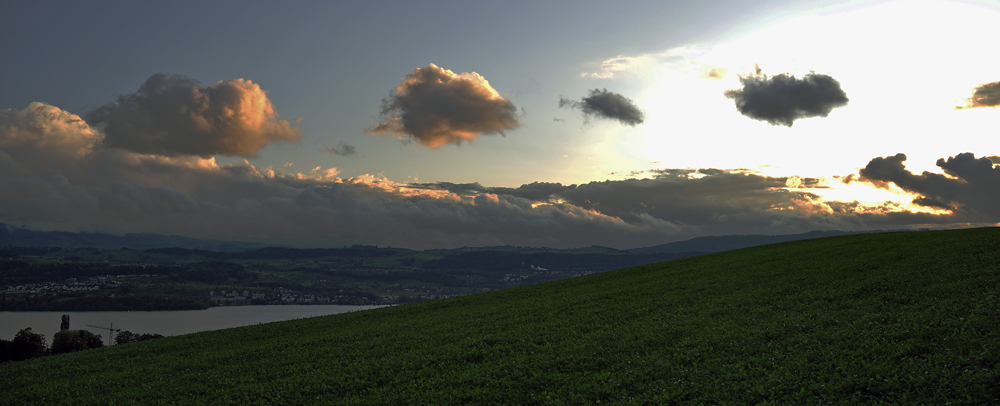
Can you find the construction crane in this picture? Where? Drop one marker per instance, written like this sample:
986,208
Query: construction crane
111,332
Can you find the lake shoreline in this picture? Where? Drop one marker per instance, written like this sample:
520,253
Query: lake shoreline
165,322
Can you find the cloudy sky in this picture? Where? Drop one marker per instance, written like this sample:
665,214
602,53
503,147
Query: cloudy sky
444,124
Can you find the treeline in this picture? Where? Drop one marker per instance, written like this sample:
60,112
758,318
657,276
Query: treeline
501,261
104,303
211,272
359,251
18,272
28,344
10,251
443,278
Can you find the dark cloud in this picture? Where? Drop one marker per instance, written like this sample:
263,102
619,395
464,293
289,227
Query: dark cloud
782,99
985,95
604,104
435,106
343,149
175,115
970,186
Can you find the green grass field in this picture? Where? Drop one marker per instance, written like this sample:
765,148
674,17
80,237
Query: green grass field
908,318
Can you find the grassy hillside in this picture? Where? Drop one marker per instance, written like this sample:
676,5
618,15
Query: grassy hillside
718,243
894,317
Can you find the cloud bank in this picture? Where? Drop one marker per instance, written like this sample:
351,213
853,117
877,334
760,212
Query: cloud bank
783,98
58,173
985,95
175,116
436,106
604,104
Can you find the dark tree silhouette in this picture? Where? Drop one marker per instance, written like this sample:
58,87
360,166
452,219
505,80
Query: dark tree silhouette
75,340
26,344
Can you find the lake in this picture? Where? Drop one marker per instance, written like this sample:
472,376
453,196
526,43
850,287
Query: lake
167,323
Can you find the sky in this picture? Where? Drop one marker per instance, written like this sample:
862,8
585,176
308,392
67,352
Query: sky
448,124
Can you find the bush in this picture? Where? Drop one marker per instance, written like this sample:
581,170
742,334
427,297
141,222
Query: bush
26,344
125,337
75,340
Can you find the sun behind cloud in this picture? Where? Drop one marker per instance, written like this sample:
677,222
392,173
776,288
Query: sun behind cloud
902,98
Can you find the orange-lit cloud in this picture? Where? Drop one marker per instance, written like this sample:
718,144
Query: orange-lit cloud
985,95
41,126
436,106
175,116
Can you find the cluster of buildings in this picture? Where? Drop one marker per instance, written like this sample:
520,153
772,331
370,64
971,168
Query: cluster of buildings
414,298
32,290
279,296
513,277
235,296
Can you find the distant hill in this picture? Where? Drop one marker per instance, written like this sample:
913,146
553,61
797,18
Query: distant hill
20,237
731,242
887,318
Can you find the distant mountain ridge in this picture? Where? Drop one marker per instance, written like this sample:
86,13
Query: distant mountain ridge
731,242
21,237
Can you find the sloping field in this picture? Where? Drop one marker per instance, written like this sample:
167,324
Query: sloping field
862,319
